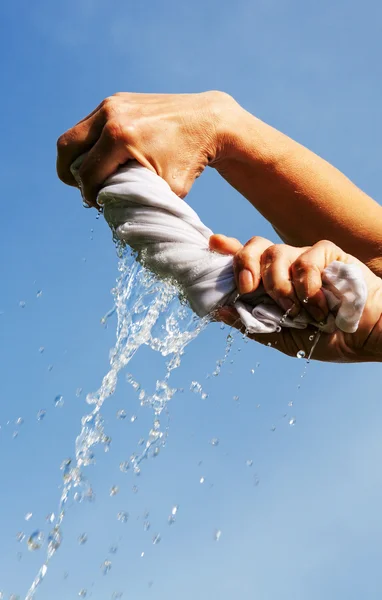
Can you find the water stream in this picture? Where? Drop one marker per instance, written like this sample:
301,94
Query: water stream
148,312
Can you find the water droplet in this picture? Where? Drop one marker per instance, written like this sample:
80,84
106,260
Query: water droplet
105,567
50,517
15,434
20,536
82,593
54,539
273,428
195,387
252,371
278,329
269,344
41,349
114,490
65,464
133,418
59,401
121,414
311,338
217,535
290,404
135,489
292,421
202,480
19,421
78,392
36,540
136,470
14,597
82,539
123,517
50,367
214,442
22,304
306,300
28,516
172,517
300,354
156,538
146,525
113,549
249,462
39,294
124,466
236,398
118,595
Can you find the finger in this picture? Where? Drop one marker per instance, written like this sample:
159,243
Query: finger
289,341
274,271
306,274
80,138
223,244
230,316
107,154
247,264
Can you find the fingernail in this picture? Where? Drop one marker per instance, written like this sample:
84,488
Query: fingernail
245,281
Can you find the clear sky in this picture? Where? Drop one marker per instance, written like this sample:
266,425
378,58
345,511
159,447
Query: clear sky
304,520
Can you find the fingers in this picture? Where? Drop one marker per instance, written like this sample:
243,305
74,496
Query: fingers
306,273
224,245
107,154
275,266
247,264
80,138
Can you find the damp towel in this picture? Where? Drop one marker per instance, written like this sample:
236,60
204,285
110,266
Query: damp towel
172,242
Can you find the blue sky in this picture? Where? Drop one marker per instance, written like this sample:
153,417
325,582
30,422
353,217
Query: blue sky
311,526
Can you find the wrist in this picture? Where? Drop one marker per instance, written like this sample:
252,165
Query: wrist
243,138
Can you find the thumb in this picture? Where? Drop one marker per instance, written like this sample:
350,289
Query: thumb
224,245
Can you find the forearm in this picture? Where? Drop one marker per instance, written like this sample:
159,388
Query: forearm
305,198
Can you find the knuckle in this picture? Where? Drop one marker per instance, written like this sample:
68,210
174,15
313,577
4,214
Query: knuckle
114,130
301,267
253,240
110,106
325,245
270,255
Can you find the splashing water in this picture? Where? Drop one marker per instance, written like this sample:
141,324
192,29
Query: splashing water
142,303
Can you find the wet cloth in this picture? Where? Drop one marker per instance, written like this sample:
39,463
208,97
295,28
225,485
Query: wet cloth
171,240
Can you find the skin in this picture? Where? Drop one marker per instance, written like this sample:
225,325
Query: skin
291,275
178,135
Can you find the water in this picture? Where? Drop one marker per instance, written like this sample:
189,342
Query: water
148,313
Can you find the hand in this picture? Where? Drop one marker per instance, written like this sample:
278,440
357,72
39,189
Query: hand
174,135
292,277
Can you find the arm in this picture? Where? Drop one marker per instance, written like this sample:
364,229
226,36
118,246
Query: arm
305,198
178,135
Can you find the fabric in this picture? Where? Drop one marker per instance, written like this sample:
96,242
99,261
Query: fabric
171,241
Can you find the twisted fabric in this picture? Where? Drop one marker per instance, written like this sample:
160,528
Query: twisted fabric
172,242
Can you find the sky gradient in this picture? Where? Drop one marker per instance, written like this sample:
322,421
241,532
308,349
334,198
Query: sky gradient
303,521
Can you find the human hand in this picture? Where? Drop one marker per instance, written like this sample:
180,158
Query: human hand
292,277
173,135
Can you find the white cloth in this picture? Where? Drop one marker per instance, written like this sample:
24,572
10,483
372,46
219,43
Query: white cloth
171,241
